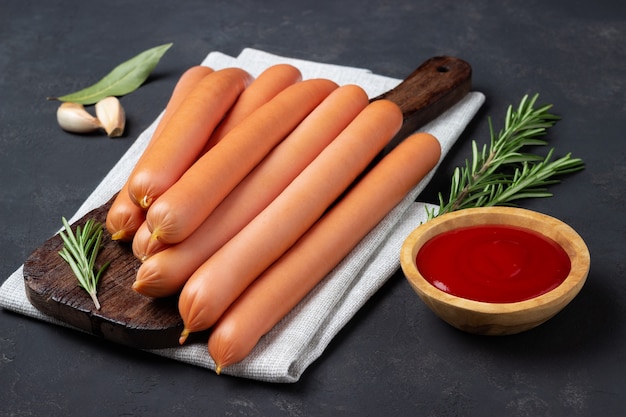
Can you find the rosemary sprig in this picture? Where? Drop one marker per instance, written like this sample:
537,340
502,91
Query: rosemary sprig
80,251
501,173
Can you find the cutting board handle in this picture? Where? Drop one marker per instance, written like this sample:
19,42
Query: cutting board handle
435,86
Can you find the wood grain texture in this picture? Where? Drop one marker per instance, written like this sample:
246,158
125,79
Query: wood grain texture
131,319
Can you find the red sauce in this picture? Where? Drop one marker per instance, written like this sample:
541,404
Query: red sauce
493,263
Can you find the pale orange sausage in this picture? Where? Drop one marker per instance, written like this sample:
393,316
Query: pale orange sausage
185,85
143,246
280,288
187,203
226,274
270,82
124,216
164,273
185,134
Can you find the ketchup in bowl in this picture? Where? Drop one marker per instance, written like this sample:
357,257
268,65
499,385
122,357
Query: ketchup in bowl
493,263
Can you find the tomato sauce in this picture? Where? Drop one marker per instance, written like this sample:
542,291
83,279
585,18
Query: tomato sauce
493,263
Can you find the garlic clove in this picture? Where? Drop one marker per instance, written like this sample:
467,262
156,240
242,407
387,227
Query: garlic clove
73,117
111,115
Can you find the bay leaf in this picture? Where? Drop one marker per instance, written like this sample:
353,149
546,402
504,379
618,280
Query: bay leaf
123,79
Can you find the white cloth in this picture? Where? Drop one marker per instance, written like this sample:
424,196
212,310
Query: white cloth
301,337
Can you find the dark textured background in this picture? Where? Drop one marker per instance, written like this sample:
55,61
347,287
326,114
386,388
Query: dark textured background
394,358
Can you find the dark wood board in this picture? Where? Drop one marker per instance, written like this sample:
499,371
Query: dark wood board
132,319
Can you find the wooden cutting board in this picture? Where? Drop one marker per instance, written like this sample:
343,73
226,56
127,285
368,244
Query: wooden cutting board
131,319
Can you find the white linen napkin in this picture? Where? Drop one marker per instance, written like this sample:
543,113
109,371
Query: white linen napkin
300,338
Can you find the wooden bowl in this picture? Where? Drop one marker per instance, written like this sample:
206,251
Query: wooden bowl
497,318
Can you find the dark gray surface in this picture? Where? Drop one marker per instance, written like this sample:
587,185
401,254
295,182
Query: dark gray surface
394,357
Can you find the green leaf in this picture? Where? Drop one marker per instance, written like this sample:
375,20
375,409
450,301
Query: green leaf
80,249
123,79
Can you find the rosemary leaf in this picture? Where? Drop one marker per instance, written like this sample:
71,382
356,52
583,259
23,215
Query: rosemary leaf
501,173
80,250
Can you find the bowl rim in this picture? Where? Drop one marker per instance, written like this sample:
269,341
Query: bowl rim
550,227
